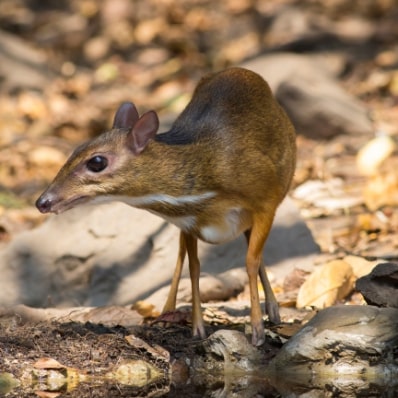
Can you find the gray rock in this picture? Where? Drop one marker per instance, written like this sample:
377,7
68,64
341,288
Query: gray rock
22,65
235,352
219,287
299,29
347,348
380,287
230,366
115,254
312,97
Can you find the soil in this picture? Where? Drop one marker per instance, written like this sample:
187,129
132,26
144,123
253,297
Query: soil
72,359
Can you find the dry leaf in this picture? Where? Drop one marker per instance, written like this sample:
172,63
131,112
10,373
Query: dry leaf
371,156
48,363
48,394
106,73
288,330
147,30
331,282
32,105
382,190
329,195
112,315
145,309
46,156
174,317
361,266
294,280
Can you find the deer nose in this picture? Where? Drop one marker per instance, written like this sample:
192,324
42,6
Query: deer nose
44,203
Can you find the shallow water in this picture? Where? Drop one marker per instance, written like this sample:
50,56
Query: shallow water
204,386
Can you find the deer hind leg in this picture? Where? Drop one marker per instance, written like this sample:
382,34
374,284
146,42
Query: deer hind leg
256,238
170,304
271,305
198,328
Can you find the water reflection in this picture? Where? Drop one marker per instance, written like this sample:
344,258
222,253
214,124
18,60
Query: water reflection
239,386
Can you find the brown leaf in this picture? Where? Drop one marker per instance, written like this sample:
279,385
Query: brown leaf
360,266
382,190
326,285
43,156
146,309
48,363
294,280
176,317
47,394
287,330
374,153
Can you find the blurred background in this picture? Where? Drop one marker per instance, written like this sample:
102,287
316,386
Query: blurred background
66,65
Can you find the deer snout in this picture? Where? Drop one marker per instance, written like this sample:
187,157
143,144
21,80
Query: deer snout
45,203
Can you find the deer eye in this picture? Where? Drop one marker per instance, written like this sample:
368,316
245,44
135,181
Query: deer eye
97,163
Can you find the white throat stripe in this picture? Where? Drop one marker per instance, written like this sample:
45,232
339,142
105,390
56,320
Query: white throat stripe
157,198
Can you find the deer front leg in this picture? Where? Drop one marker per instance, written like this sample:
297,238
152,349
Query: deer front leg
198,328
170,304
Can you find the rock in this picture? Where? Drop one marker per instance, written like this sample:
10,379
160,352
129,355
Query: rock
380,287
229,366
313,98
109,316
234,350
22,65
220,287
319,108
299,29
350,349
115,254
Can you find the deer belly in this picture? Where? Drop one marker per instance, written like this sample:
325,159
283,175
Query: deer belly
234,222
204,222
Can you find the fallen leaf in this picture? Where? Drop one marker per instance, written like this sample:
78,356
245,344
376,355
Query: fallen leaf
326,285
47,394
287,330
329,195
48,363
176,317
145,309
32,105
294,280
46,156
371,156
360,266
381,190
147,30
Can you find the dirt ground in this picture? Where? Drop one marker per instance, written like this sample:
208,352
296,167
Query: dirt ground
71,359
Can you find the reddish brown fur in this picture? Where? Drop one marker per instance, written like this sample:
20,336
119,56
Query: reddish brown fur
233,139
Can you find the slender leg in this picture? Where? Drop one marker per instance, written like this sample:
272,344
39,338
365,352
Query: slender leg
172,297
271,305
254,265
198,328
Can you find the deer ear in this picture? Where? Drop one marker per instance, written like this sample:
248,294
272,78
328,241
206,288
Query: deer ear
126,116
144,130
